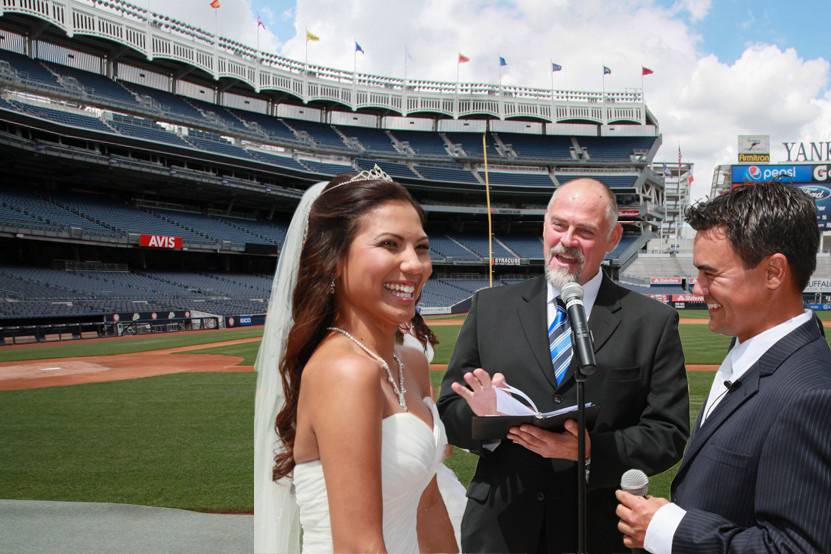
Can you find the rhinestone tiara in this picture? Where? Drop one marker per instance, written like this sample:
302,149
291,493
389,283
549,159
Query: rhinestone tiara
374,174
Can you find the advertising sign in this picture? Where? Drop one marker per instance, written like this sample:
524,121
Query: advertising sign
161,241
665,281
766,173
754,148
690,298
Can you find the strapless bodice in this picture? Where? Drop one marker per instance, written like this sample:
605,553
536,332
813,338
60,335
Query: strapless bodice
410,454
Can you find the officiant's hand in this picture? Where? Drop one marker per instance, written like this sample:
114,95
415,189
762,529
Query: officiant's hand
549,444
481,394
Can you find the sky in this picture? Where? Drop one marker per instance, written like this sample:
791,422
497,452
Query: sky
721,67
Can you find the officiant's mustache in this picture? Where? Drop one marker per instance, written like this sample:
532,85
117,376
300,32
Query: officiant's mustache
571,252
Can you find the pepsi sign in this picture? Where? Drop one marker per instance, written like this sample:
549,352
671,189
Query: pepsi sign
767,173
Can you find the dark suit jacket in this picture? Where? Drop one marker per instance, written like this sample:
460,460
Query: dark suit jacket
756,476
643,421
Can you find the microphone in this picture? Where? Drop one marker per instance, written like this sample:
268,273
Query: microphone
635,481
572,295
732,385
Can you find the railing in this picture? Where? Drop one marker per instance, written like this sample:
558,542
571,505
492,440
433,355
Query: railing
158,36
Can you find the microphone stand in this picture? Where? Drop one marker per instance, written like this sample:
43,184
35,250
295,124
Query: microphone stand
582,499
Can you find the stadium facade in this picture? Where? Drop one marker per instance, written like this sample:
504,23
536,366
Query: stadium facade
151,167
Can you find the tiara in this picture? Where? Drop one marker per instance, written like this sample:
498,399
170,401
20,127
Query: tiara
374,174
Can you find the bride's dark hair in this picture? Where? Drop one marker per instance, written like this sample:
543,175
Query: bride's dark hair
333,223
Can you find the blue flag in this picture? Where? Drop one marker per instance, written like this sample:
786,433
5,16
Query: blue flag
502,61
358,48
556,67
606,71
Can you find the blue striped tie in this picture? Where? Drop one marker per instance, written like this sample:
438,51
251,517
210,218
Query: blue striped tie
559,341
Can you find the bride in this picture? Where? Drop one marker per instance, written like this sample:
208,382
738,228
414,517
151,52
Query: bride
358,439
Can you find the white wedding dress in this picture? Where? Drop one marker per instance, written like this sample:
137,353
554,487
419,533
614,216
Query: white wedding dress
411,452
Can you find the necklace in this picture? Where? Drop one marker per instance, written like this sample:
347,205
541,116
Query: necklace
398,388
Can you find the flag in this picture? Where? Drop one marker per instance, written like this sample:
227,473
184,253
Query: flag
310,36
646,71
502,61
260,23
690,179
606,70
666,171
215,4
463,58
358,48
556,67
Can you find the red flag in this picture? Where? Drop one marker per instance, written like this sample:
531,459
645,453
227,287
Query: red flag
646,71
215,4
463,58
690,179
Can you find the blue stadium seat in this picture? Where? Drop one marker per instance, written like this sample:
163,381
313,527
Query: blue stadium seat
446,174
423,143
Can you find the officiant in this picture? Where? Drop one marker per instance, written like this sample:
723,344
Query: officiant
523,496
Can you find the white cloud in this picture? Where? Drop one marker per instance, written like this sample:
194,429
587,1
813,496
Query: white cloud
697,9
701,102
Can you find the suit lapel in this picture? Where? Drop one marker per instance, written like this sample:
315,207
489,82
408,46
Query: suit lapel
749,386
532,317
602,323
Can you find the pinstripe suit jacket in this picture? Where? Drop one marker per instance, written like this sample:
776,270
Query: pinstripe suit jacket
756,477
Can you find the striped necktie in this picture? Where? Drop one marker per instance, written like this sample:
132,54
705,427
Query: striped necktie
559,343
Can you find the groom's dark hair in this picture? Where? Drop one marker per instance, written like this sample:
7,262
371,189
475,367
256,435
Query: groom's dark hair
333,223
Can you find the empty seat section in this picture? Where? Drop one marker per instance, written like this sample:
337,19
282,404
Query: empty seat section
525,247
64,117
471,143
447,248
96,85
280,161
479,244
273,126
169,103
446,174
423,143
21,207
328,169
543,147
145,129
373,140
214,143
611,181
321,133
29,70
618,149
519,179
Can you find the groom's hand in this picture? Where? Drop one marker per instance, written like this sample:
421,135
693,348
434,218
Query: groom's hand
480,394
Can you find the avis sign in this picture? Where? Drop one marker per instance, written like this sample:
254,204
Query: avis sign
161,241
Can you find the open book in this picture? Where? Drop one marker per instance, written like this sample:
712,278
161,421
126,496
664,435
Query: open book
512,413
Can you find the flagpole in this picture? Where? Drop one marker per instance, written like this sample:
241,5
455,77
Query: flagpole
307,53
551,68
456,110
405,63
488,204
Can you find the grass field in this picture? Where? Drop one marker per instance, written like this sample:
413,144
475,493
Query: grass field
181,440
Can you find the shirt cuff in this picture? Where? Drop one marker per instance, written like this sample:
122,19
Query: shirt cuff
661,529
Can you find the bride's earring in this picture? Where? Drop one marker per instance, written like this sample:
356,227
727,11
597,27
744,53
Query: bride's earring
332,287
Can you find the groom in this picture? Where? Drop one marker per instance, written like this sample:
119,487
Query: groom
523,497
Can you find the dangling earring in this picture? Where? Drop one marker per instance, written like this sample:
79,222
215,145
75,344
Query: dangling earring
332,287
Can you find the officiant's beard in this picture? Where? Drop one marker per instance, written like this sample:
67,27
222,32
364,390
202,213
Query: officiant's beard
560,277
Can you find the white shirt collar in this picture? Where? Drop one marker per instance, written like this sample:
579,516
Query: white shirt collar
590,291
745,354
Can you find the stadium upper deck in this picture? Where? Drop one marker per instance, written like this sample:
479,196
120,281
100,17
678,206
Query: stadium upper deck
136,114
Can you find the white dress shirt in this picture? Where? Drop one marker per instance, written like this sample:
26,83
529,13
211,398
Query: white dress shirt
590,290
742,356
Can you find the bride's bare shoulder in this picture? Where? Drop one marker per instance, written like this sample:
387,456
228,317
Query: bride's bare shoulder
337,365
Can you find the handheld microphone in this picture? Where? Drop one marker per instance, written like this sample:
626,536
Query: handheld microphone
635,481
572,295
